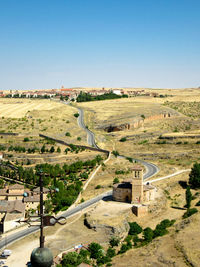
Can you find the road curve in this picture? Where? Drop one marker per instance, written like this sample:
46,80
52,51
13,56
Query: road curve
151,169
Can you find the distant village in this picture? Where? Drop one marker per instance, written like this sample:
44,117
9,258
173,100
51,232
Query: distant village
72,93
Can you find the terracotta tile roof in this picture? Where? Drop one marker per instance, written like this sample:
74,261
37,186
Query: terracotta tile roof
35,198
37,190
12,206
16,186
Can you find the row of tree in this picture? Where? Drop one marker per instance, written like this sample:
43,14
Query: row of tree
84,97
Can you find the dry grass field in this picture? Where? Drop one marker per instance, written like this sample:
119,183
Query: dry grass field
18,108
144,142
31,117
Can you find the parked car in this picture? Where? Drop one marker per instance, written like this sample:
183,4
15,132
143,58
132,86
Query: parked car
6,252
3,256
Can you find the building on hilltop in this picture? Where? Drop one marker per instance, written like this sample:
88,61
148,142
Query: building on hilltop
132,190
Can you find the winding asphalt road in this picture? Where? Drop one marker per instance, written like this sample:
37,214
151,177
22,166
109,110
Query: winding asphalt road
151,170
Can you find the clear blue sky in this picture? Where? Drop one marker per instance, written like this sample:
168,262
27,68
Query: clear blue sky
96,43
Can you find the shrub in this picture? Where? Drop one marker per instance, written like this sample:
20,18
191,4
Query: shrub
134,228
26,139
110,252
95,250
79,138
123,139
148,234
129,159
58,150
143,116
114,241
198,203
43,149
52,149
116,181
68,134
76,115
123,248
143,142
189,213
198,142
98,186
115,153
119,172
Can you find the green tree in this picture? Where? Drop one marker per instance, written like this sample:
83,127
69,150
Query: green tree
76,115
110,252
194,177
123,139
58,150
52,149
115,180
114,241
115,153
135,228
68,134
71,259
188,197
96,250
43,149
148,234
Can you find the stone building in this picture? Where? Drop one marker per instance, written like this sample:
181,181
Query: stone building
133,190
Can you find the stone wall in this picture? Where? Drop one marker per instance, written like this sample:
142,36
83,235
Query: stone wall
122,194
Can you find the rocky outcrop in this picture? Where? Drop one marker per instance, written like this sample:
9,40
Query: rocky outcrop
109,218
136,124
116,128
120,230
